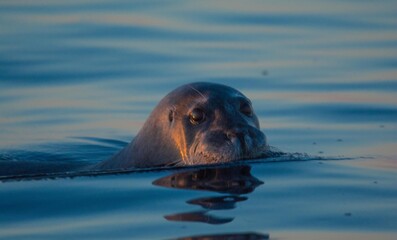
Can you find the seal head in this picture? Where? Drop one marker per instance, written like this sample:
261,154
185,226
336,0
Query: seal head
198,123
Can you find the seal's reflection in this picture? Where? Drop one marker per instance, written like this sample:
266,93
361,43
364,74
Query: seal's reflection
232,181
231,236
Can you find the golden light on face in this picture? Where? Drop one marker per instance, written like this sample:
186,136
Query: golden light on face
180,141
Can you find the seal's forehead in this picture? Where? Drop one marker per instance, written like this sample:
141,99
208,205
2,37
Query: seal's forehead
209,90
203,93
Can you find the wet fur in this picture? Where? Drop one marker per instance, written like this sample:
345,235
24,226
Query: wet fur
168,138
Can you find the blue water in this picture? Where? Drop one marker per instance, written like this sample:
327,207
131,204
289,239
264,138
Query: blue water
79,78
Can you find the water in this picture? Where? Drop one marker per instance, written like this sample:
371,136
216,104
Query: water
275,199
79,78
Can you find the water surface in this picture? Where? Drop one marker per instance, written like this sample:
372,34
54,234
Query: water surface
79,78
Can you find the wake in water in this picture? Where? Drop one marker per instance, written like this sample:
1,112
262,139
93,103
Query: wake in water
75,158
56,158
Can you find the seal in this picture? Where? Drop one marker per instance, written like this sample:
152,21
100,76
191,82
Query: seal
195,124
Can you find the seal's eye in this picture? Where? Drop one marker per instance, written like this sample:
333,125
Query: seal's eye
246,109
197,116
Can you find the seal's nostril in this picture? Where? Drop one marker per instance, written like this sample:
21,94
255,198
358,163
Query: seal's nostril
239,138
230,135
243,137
235,133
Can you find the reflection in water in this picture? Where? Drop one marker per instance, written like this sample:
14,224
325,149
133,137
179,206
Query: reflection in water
216,203
231,236
231,180
198,216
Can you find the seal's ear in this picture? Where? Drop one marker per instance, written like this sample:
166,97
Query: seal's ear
171,113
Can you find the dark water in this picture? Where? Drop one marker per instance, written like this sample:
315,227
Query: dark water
290,197
79,78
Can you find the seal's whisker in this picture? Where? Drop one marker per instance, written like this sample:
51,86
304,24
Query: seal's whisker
198,92
189,160
195,147
180,164
176,163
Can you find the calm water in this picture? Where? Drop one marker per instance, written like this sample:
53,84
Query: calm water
79,78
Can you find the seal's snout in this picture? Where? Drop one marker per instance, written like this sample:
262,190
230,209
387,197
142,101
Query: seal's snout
239,138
